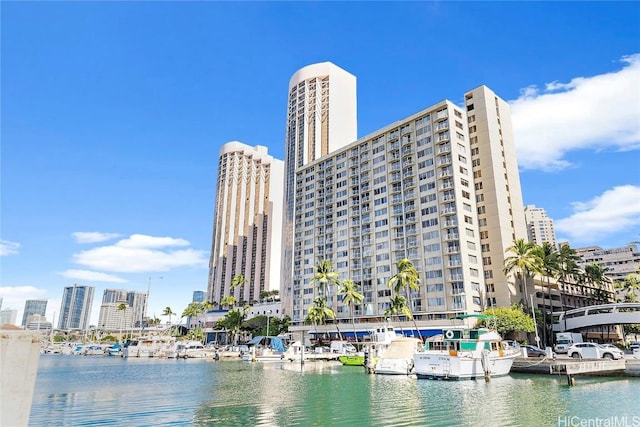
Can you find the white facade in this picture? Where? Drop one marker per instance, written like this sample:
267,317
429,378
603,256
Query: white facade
8,317
440,188
539,226
248,214
500,214
404,191
619,262
111,318
321,118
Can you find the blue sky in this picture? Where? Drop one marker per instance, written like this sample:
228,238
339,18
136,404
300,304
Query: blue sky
113,114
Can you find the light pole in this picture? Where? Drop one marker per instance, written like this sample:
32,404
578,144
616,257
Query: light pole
268,313
146,303
535,324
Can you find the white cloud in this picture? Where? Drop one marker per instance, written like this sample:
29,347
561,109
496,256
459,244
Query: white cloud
93,236
613,211
143,241
595,112
140,253
8,248
92,276
14,297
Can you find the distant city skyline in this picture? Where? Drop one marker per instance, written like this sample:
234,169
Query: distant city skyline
111,133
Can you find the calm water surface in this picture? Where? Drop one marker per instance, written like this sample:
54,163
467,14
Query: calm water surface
96,390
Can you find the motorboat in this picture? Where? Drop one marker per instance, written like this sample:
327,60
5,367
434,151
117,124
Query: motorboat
265,349
114,350
193,350
397,359
462,353
149,346
379,340
94,350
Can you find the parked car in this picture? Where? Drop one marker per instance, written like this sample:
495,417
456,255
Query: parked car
611,346
589,350
534,351
634,345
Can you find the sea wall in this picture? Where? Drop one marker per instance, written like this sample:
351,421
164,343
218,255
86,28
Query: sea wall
19,357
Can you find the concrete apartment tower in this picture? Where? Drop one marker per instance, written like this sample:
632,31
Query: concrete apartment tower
112,318
539,226
248,215
500,214
34,306
321,118
440,187
75,310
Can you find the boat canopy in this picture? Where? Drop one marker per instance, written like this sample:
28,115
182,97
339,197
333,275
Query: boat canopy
274,343
477,316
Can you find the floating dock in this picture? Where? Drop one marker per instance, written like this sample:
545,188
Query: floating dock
573,367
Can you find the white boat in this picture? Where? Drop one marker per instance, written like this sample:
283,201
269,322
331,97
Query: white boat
265,349
94,350
397,359
380,339
151,346
465,354
114,350
193,350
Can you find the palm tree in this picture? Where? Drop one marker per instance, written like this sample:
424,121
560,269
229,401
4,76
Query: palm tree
523,262
406,279
122,307
168,312
351,297
319,312
237,281
325,276
631,286
398,307
232,322
548,256
228,301
192,310
567,268
595,275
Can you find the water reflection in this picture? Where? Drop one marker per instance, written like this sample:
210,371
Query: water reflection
76,390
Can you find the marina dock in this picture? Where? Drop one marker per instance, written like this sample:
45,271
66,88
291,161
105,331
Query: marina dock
573,367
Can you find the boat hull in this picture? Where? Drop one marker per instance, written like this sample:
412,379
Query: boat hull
442,366
352,360
394,367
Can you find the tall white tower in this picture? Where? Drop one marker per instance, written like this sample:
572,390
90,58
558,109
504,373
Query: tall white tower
321,118
539,226
500,210
248,206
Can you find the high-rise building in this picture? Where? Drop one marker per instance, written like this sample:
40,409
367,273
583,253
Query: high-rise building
75,310
440,188
121,309
38,322
500,210
539,226
8,316
618,262
248,214
199,296
34,306
114,295
321,118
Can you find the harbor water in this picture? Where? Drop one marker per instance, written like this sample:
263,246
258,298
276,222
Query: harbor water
115,391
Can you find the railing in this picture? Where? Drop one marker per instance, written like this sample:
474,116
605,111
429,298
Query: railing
598,315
